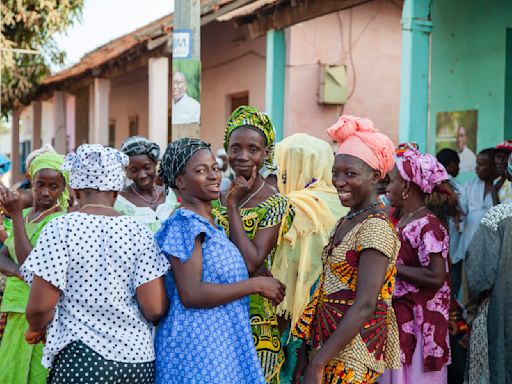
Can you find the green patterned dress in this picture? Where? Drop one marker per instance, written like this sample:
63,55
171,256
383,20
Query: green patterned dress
276,210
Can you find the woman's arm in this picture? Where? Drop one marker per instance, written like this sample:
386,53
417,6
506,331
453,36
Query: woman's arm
432,276
152,299
194,293
370,278
13,203
7,266
41,303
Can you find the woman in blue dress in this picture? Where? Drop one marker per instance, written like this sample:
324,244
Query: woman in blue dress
206,336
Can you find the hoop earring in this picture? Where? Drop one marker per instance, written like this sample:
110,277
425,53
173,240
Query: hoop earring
405,195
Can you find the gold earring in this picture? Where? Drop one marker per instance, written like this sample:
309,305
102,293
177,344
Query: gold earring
405,195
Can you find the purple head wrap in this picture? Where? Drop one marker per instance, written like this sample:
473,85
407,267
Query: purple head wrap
421,169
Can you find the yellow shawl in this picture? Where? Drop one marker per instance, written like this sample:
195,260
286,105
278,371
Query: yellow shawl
305,165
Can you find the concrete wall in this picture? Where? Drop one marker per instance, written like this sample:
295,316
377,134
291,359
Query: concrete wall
367,39
468,63
232,63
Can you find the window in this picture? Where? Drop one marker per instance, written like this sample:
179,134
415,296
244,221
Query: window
133,125
237,100
112,133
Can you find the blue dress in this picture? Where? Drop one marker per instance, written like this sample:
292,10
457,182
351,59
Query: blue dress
210,345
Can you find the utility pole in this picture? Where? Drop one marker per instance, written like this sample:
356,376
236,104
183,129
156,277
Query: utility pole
186,69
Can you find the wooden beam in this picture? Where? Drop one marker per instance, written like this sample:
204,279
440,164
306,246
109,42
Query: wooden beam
213,15
285,16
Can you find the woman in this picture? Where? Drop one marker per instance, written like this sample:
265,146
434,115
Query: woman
96,282
304,164
349,325
206,336
255,216
143,200
20,363
420,191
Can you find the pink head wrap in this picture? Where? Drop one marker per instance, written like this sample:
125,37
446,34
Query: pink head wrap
358,137
421,169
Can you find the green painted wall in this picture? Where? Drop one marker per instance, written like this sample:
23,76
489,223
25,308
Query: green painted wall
468,64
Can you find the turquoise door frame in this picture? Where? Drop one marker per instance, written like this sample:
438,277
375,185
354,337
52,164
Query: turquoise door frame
414,73
275,75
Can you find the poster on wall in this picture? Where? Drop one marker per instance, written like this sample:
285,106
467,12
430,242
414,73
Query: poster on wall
186,91
458,130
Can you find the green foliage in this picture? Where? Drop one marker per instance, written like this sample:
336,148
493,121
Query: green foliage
31,24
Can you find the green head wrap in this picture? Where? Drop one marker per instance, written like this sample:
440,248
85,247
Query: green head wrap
49,160
246,115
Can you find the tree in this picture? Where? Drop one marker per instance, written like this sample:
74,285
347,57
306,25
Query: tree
31,24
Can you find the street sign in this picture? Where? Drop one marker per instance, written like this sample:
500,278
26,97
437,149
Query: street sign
182,44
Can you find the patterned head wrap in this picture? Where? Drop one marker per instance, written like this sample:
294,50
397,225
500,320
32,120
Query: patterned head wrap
5,164
505,146
176,156
246,115
421,169
36,152
509,165
358,137
138,145
97,167
51,160
402,147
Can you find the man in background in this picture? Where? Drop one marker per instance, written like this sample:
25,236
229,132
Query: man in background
185,109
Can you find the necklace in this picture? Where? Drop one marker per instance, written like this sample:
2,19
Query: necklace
351,214
151,202
252,195
409,215
96,206
40,215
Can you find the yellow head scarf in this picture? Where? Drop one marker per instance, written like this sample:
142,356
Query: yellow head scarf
305,166
50,160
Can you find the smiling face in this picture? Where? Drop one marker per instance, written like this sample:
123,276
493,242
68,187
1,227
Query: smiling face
142,171
354,180
247,148
179,86
48,185
200,178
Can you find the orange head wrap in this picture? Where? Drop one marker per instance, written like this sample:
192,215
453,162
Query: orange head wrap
358,137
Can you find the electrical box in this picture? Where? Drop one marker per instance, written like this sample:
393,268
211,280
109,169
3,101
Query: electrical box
333,84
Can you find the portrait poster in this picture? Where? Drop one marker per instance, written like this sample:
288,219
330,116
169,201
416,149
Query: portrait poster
458,130
186,96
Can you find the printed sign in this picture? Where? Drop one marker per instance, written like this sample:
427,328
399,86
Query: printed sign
181,44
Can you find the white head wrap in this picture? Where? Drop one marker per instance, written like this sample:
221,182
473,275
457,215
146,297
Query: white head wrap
97,167
36,152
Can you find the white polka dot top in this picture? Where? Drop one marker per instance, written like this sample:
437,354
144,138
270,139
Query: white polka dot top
97,262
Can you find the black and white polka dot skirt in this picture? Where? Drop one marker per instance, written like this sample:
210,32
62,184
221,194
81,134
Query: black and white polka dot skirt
77,363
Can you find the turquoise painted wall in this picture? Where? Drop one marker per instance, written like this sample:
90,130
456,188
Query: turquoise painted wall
468,64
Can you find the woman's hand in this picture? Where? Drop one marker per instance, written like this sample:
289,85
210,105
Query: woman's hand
314,373
11,202
301,364
240,187
270,288
35,337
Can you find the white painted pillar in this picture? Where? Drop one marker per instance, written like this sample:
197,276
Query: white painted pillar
36,127
70,122
59,122
158,70
15,148
99,93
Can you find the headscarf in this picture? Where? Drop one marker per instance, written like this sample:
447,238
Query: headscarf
138,145
509,165
305,164
246,115
36,152
402,147
358,137
97,167
421,169
176,156
5,164
51,160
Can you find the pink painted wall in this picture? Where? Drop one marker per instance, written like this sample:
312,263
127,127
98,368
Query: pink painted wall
232,63
375,34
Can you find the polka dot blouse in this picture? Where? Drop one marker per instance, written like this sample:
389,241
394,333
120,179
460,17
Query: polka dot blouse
97,262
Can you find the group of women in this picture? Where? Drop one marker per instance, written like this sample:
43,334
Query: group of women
311,284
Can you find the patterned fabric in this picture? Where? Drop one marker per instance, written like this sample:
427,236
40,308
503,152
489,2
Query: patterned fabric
422,169
403,147
5,164
176,156
336,372
246,115
478,361
204,345
50,160
426,310
505,192
376,346
97,167
3,322
276,210
79,364
138,145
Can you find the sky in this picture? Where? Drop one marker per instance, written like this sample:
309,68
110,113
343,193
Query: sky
105,20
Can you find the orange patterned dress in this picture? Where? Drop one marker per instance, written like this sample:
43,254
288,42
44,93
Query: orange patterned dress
376,347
